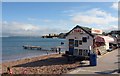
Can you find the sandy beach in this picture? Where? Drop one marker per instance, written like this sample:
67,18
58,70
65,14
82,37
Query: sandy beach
48,64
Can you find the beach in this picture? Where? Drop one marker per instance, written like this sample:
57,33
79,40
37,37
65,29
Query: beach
47,64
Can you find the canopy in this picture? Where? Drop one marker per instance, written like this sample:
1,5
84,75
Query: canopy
104,39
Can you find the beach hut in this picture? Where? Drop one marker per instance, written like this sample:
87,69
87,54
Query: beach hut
79,41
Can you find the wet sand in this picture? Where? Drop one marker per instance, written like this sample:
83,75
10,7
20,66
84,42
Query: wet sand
48,64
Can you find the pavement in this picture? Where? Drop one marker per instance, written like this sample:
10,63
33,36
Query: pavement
106,64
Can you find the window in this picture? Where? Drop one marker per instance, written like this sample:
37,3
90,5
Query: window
75,52
76,43
84,39
86,52
88,37
80,42
80,51
71,43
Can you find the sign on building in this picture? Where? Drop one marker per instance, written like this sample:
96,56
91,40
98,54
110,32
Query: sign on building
96,31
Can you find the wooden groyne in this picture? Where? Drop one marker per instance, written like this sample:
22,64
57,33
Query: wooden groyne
54,49
32,47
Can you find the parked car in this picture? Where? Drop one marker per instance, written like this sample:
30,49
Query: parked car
118,45
109,50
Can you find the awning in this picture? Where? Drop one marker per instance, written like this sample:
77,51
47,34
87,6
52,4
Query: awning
104,39
99,39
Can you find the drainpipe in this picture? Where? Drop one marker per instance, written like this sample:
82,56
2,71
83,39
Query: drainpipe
93,45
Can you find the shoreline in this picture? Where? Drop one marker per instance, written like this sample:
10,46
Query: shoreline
46,64
30,55
27,57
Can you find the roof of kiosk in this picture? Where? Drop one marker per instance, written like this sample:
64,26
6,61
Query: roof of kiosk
82,29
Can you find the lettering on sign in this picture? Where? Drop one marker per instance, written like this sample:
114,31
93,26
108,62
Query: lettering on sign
96,31
77,30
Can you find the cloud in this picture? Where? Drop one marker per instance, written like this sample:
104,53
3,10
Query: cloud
115,6
109,28
93,16
31,19
39,20
67,11
25,29
15,26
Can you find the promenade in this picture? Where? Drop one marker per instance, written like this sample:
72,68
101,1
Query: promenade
106,64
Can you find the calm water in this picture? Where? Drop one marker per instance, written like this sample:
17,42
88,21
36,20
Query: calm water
12,47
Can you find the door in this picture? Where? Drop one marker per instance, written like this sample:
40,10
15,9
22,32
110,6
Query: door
71,46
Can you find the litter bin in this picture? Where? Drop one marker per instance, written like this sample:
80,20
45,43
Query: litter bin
93,59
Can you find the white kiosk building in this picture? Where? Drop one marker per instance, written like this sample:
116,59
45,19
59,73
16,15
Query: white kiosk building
79,41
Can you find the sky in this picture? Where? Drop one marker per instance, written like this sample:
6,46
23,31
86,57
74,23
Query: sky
41,18
60,0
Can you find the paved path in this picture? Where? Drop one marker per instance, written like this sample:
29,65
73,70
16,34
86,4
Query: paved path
106,64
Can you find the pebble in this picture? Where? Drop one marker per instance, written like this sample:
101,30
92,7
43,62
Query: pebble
45,69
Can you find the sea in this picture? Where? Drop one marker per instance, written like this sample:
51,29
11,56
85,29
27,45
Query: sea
12,47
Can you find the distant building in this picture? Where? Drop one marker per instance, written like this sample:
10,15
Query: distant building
50,36
116,35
